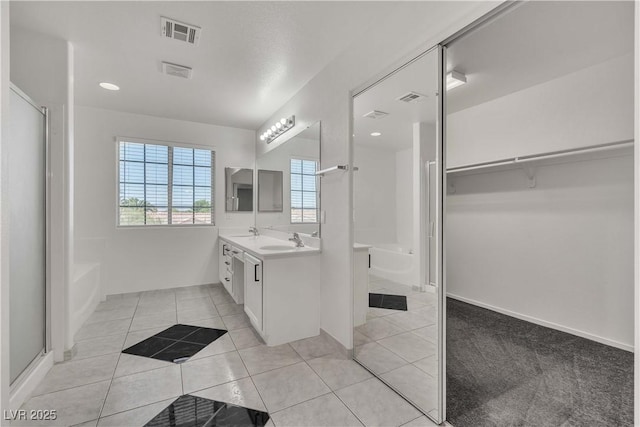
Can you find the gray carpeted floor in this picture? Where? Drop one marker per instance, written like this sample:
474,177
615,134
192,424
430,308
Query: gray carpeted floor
502,371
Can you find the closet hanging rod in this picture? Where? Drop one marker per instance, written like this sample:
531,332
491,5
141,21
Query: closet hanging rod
549,155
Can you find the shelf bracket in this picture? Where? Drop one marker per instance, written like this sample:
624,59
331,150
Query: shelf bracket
530,172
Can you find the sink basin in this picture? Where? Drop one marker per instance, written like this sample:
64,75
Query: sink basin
242,235
277,248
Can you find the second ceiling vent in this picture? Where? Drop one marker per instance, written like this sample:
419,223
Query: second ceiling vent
180,31
176,70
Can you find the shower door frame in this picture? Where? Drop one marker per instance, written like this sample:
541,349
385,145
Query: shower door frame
23,377
441,293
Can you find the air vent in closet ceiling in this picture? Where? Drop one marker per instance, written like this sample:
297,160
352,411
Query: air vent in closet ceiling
375,114
176,70
180,31
412,97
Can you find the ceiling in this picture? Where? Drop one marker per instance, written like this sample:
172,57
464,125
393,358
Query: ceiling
535,42
252,56
397,127
532,43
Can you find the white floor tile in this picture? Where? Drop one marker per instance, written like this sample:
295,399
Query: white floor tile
130,364
241,392
245,338
264,358
288,386
211,371
375,404
73,406
142,389
338,371
326,410
78,372
135,417
409,346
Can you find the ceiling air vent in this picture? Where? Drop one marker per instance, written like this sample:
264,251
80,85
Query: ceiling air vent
180,31
375,114
176,70
412,97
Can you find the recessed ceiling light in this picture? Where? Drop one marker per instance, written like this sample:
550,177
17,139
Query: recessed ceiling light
375,134
455,79
109,86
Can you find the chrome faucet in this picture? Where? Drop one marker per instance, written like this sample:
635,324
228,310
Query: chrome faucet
296,238
314,234
253,230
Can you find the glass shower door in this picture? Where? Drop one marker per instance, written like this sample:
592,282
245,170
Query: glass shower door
27,166
398,194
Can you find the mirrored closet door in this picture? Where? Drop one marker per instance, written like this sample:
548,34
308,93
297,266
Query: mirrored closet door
398,288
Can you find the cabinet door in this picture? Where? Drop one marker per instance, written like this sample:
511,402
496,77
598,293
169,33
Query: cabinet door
253,290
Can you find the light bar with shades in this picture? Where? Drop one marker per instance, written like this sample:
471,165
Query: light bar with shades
278,129
455,79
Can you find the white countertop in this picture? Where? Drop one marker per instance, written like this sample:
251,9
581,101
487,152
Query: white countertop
361,246
254,244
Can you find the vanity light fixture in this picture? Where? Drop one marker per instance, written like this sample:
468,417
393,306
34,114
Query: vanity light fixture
109,86
375,134
455,79
278,129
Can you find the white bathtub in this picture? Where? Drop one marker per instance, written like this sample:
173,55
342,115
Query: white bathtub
394,262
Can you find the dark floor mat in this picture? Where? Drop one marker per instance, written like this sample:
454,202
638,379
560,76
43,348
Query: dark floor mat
176,344
391,302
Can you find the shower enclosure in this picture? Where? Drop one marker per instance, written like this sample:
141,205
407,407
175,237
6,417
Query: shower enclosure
27,197
398,210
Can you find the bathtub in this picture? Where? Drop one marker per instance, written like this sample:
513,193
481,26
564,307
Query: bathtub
396,263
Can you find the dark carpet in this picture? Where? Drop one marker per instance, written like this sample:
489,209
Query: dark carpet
502,371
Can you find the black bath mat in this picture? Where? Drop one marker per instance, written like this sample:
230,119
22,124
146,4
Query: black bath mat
176,344
392,302
192,411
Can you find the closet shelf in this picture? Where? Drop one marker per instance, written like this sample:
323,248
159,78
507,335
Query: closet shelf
543,156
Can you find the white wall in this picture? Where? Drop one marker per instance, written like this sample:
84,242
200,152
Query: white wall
560,253
408,28
374,195
404,198
139,258
590,106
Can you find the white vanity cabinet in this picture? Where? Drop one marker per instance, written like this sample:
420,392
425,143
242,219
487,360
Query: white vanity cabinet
280,288
253,299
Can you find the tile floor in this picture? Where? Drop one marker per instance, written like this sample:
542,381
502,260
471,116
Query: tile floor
401,346
307,382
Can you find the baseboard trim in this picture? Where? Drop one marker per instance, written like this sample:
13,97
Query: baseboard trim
23,391
544,323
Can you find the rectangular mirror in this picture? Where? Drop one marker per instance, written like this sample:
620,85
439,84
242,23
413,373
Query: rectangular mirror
287,174
238,189
269,191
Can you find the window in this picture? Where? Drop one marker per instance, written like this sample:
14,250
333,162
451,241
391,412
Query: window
164,185
304,195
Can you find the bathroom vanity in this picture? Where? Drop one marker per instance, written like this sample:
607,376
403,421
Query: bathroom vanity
277,282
